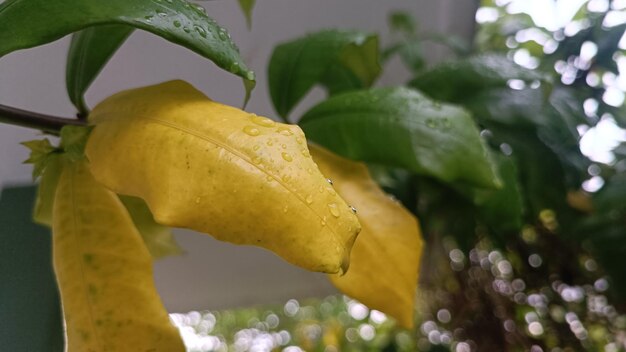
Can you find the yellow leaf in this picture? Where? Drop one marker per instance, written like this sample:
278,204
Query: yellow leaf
385,258
216,169
104,272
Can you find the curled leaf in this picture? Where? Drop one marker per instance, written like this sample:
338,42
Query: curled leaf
158,238
216,169
385,259
105,272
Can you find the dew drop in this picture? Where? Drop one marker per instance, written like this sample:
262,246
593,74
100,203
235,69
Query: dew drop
331,190
201,10
285,131
256,147
161,13
234,68
186,29
309,199
329,181
286,178
321,189
200,31
269,178
263,121
149,18
353,209
298,140
305,153
177,24
431,123
287,157
198,200
256,160
222,33
332,207
286,209
323,221
251,131
269,142
309,171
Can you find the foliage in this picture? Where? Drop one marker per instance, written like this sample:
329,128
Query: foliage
484,150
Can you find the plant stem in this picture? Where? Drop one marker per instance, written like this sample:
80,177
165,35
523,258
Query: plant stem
46,123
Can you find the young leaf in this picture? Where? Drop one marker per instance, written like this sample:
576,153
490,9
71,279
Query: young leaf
105,272
158,238
296,66
247,6
89,51
47,189
40,151
239,177
455,80
385,260
401,127
25,24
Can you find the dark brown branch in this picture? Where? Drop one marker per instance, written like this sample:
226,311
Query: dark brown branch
46,123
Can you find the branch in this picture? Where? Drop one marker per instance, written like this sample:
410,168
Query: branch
46,123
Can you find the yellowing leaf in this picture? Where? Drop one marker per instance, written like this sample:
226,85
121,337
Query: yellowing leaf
385,258
216,169
158,238
105,272
47,189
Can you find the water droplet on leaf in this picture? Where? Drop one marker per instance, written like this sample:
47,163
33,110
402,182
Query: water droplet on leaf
287,157
332,207
251,131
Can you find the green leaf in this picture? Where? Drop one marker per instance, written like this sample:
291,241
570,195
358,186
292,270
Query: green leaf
29,23
403,22
403,128
455,80
158,238
502,209
89,51
247,6
296,66
553,119
46,191
40,151
73,140
410,52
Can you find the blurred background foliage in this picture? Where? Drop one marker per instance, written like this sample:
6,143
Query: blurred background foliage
536,265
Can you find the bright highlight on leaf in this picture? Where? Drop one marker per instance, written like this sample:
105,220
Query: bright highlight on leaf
239,177
386,257
105,272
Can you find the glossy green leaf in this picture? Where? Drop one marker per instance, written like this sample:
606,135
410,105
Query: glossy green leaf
89,51
401,127
553,119
455,80
247,6
158,238
296,66
25,24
